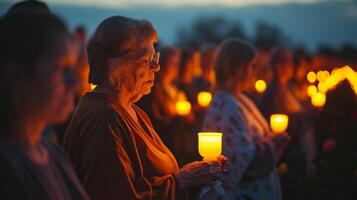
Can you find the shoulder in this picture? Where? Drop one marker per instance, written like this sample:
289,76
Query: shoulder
224,103
55,149
8,164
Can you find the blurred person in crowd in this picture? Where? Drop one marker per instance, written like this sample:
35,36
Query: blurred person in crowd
279,98
299,83
28,7
263,70
38,88
252,150
206,81
82,66
112,143
160,103
190,60
81,71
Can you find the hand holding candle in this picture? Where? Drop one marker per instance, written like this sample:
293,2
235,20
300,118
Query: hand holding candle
279,123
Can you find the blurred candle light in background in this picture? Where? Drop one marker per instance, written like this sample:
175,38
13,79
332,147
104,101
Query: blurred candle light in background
183,107
279,123
311,77
322,87
322,75
209,145
204,98
311,90
319,99
260,86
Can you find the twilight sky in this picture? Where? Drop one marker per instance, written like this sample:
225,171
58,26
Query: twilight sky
176,3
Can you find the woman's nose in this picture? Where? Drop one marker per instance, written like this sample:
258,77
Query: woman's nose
155,67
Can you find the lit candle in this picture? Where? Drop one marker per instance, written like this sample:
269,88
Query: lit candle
183,107
318,99
279,123
204,98
260,86
210,145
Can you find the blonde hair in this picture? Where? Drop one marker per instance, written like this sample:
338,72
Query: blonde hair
234,55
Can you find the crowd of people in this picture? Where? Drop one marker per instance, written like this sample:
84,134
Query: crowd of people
97,117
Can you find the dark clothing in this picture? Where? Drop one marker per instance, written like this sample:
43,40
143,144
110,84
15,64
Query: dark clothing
115,156
21,178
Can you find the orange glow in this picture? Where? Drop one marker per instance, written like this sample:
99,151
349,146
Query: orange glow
92,86
311,90
209,144
279,123
183,107
311,77
318,100
322,87
204,98
260,86
322,75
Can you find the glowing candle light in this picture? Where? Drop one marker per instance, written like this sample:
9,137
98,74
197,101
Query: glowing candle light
311,77
260,86
210,145
204,98
311,90
183,107
321,75
92,86
318,99
326,74
279,123
322,87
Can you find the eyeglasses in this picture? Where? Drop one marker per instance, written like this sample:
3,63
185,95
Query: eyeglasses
154,60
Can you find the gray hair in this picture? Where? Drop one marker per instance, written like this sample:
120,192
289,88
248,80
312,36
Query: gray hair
114,37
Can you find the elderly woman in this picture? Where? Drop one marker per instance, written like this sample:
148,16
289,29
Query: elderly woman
114,147
37,88
252,149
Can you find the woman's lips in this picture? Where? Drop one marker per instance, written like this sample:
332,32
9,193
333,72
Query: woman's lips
151,82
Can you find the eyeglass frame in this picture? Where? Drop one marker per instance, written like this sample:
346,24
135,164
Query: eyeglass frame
154,59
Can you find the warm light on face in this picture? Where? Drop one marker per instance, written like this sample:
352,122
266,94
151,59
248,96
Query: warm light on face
210,144
318,100
311,90
204,98
311,77
183,107
279,123
260,86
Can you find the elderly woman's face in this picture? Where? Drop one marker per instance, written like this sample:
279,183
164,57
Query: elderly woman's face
139,74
